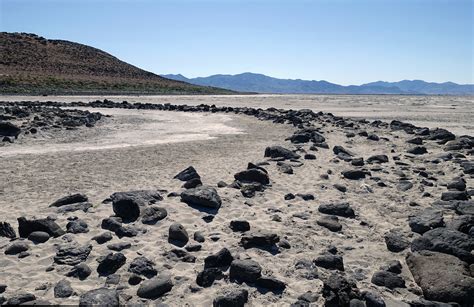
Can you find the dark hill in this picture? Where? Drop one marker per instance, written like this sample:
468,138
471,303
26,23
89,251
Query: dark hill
30,64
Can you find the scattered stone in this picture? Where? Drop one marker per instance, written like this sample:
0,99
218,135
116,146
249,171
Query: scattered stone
119,246
26,227
239,225
202,196
221,184
16,248
63,289
305,196
231,298
271,284
259,239
457,184
396,241
454,195
111,263
187,174
378,159
253,175
426,220
338,291
38,237
70,199
387,279
280,152
177,232
222,258
354,174
393,266
151,215
199,237
77,226
102,238
340,209
404,185
245,270
289,196
7,231
142,266
72,254
81,271
113,279
207,277
20,299
99,297
155,287
330,222
417,150
340,188
330,261
192,183
310,157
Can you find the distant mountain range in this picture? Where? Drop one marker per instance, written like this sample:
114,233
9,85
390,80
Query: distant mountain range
251,82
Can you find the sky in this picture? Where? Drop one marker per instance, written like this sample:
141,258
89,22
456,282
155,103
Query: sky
341,41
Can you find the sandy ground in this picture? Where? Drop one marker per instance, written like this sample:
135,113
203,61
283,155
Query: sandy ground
454,113
145,149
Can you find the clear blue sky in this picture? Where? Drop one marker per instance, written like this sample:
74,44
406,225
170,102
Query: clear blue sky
346,42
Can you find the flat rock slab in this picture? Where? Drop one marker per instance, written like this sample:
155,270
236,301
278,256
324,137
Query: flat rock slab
72,254
442,277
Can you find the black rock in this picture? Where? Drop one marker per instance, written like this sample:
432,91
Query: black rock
119,246
135,279
305,196
207,277
373,299
20,298
63,289
7,231
309,157
193,247
378,159
330,261
38,237
340,187
151,215
442,277
26,227
454,195
330,222
446,241
81,271
338,291
404,185
462,223
271,284
99,297
426,220
222,184
187,174
393,266
84,206
395,241
202,196
340,209
457,184
16,248
358,162
112,223
177,232
192,183
289,196
341,150
245,270
354,174
70,199
155,287
77,226
231,298
72,254
199,237
280,152
253,175
239,225
222,258
259,239
142,266
417,150
387,279
9,129
111,263
102,238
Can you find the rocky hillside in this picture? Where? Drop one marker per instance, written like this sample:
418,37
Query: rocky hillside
30,64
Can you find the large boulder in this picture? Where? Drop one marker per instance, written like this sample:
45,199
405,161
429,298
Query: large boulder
99,297
280,152
446,241
26,227
442,277
202,196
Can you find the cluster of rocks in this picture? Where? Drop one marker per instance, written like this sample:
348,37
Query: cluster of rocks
437,252
30,119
